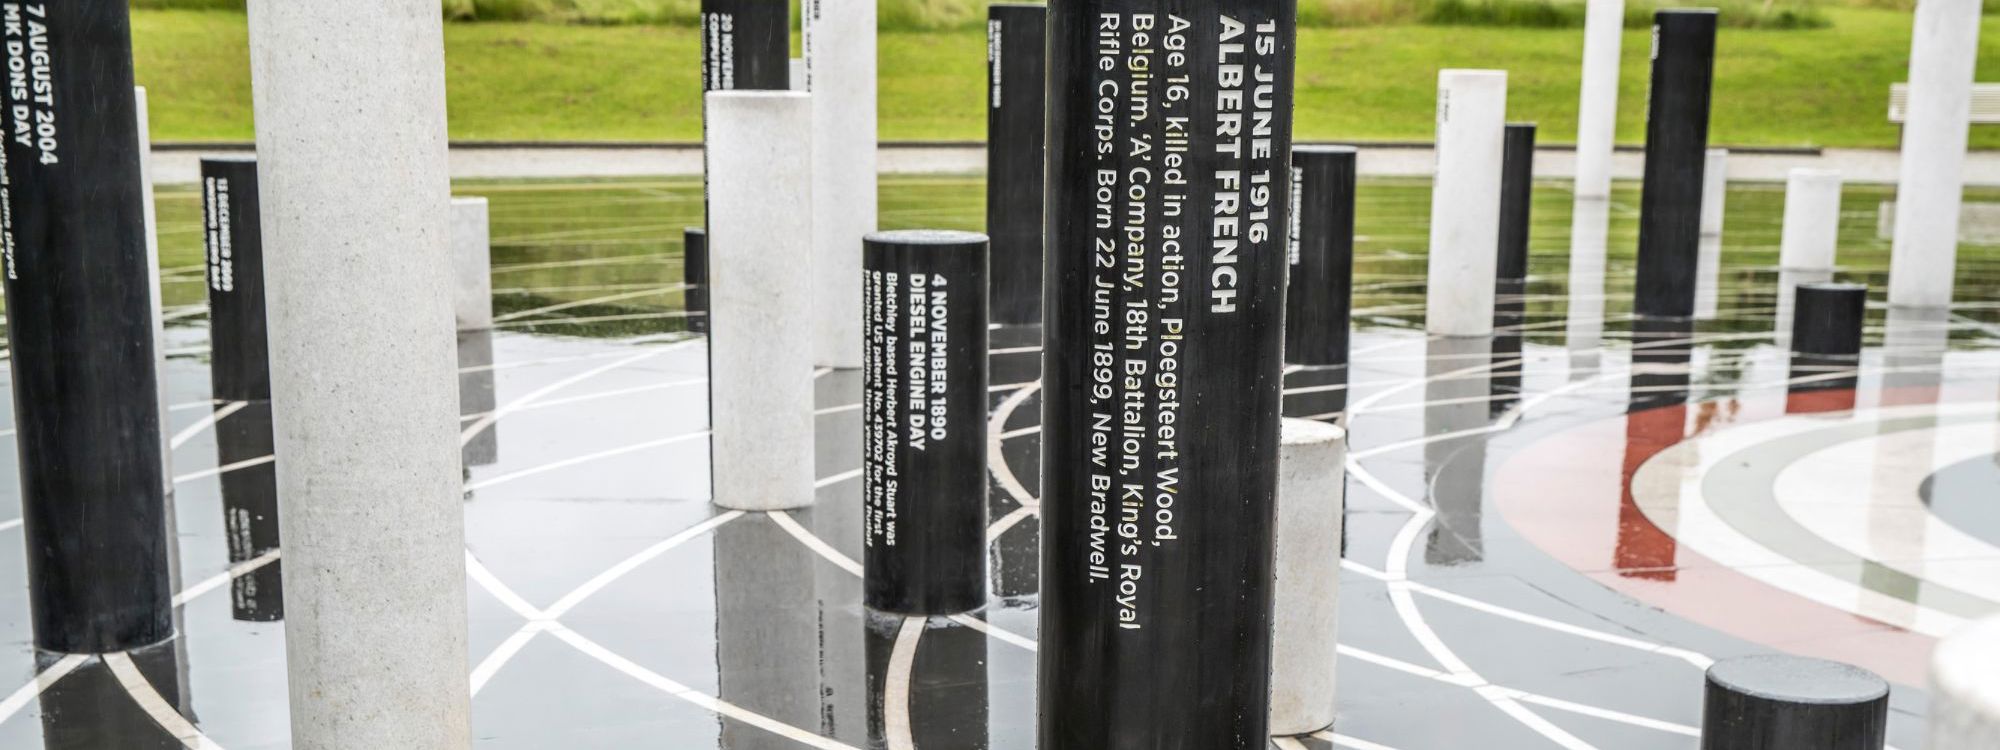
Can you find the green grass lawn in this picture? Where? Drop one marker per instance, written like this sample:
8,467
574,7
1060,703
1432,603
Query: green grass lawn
525,81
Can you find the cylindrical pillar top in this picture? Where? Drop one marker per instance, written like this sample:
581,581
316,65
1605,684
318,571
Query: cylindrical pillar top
1780,701
939,238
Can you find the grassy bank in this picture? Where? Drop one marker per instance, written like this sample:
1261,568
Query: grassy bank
531,81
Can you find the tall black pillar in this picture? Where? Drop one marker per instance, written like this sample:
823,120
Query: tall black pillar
1517,185
1321,293
1169,150
746,44
924,421
1676,149
694,274
240,373
79,321
1017,69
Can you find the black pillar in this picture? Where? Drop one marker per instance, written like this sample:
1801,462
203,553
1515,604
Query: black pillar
1517,185
240,378
746,44
694,274
1169,150
1017,65
79,322
1777,701
1321,292
924,406
1676,149
1827,319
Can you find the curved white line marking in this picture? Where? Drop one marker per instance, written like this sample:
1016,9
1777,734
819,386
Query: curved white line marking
1341,740
561,306
996,459
149,700
181,438
896,685
19,698
480,425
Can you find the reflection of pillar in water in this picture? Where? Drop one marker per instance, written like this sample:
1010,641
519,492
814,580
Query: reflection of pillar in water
1017,66
1676,155
1584,328
1655,419
472,263
90,708
1162,360
1316,392
1455,469
1913,346
1510,312
80,331
1708,259
767,635
477,394
1820,384
933,674
240,373
159,314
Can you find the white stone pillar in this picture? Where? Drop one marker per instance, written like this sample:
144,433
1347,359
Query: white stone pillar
761,310
1312,491
1597,114
1465,202
472,263
840,63
1708,255
1584,329
349,102
1943,47
1812,220
159,302
1965,689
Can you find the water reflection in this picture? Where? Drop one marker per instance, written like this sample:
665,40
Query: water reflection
1656,418
1708,277
1584,331
1458,383
927,684
767,631
1510,312
250,511
91,710
477,395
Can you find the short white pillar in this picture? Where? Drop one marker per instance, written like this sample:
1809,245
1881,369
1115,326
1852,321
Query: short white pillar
1965,689
840,62
1312,491
1465,202
153,283
1943,47
472,263
1597,113
1812,220
353,178
760,229
1708,254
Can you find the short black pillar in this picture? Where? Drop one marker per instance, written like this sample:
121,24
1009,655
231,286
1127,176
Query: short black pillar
694,277
1827,318
1169,154
240,377
1017,66
924,421
1676,155
1320,294
746,44
1780,702
79,325
1517,185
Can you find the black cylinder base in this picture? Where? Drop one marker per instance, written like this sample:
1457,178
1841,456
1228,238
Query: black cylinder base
1517,185
1319,296
1827,319
1792,703
1676,156
924,405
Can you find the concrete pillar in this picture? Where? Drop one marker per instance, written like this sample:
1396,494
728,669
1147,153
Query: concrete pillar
1465,202
1812,220
1676,156
472,262
352,173
153,280
1016,103
81,325
924,422
1597,113
1161,395
1780,701
1944,45
1312,492
840,63
1965,689
1708,253
760,345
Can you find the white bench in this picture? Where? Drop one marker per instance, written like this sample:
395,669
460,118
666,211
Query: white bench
1985,103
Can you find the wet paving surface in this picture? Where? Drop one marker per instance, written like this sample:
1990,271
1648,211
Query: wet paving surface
1550,532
